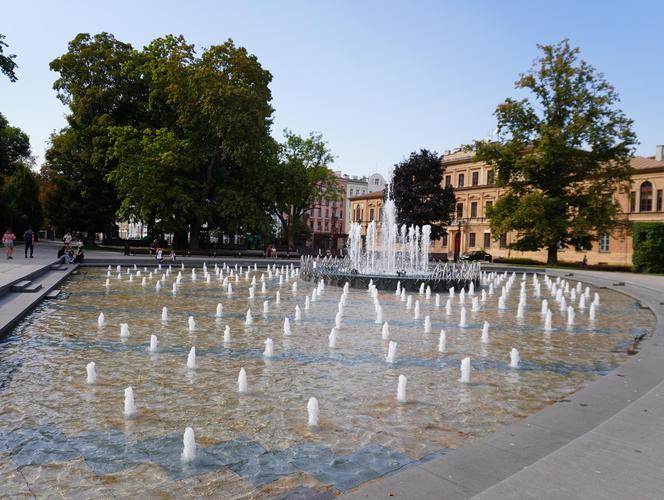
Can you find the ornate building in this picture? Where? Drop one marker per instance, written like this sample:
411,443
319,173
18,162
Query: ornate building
474,190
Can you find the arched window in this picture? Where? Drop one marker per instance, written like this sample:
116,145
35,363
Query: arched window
645,204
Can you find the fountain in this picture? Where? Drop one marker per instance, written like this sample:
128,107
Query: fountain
298,313
442,342
277,298
437,303
409,302
465,370
337,320
401,389
191,359
427,324
294,287
545,307
269,348
547,321
189,445
124,330
248,318
332,338
101,320
164,313
391,352
287,329
475,304
192,323
462,318
501,302
386,331
312,412
592,311
416,312
154,343
570,316
92,373
129,406
596,299
379,315
242,382
485,332
514,358
448,307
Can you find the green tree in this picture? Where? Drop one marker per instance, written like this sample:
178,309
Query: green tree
20,195
560,157
419,195
300,179
14,146
7,64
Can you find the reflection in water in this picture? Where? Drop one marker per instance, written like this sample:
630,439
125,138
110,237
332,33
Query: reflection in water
43,366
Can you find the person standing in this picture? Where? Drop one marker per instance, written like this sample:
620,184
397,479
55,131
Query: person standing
8,241
29,238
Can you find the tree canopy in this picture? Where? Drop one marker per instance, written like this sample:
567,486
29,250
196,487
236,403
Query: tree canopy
7,64
419,195
561,155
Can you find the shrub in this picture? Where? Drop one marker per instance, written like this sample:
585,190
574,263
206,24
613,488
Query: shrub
648,247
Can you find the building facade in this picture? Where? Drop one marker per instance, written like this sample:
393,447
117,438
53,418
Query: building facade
475,191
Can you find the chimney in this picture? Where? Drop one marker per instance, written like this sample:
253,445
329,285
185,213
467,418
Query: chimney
659,153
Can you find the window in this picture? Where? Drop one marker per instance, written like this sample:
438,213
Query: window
461,180
371,214
380,214
459,211
632,201
659,200
327,226
645,204
448,180
358,214
503,241
487,240
376,181
473,209
327,212
604,243
490,177
444,241
341,214
471,240
318,225
488,205
475,178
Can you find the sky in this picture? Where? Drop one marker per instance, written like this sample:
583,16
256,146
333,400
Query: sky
378,79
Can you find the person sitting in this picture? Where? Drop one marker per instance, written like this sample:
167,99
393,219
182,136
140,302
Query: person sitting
173,256
65,255
159,256
78,258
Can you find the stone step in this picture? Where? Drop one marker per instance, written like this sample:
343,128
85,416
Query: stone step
32,288
20,286
53,294
58,267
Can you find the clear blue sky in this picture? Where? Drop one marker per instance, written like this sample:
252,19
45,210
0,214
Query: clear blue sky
379,79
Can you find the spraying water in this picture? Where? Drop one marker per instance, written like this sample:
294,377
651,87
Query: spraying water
92,372
242,382
129,405
189,445
401,389
312,412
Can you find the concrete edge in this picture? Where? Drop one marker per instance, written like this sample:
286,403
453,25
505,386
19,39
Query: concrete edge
6,288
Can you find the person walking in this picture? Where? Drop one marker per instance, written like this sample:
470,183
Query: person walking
8,241
29,238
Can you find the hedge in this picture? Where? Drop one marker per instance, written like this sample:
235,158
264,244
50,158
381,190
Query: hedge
648,247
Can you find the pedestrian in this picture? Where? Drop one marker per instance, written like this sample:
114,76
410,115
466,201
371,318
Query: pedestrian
173,256
159,256
8,241
29,238
67,238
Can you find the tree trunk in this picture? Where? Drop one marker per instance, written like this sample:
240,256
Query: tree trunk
194,235
90,237
552,255
290,238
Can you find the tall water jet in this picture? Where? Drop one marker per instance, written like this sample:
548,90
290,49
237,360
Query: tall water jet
582,301
462,318
465,370
129,405
248,318
164,313
108,282
448,307
401,389
154,343
294,287
298,313
189,445
570,316
307,303
337,320
442,341
416,312
409,302
124,330
191,358
277,298
520,310
251,292
483,296
451,292
437,303
386,331
312,412
269,348
545,307
242,381
427,292
427,324
514,358
175,288
485,332
101,320
547,321
596,300
332,338
475,304
91,372
391,352
157,287
287,329
592,312
462,296
192,323
501,302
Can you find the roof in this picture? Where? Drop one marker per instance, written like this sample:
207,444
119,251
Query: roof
643,163
369,196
